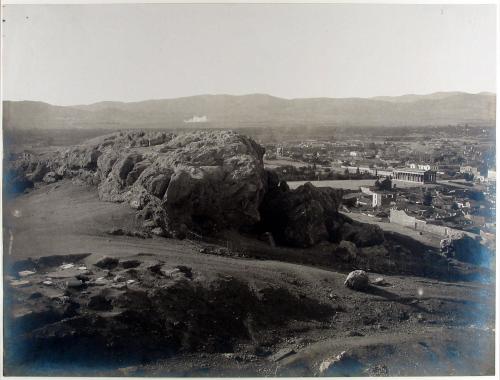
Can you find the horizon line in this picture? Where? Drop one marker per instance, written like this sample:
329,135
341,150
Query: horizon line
252,94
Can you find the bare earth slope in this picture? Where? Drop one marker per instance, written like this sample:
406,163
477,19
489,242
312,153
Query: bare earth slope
300,316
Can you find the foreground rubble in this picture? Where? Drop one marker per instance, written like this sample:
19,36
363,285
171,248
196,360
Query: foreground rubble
146,314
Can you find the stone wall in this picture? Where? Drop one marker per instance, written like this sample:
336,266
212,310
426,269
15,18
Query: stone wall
400,217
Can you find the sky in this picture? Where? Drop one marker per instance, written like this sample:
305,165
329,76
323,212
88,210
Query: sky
81,54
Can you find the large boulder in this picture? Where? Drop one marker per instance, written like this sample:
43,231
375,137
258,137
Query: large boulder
299,217
199,180
466,249
308,215
357,280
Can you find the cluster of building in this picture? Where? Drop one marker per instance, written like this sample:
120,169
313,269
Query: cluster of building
440,183
440,209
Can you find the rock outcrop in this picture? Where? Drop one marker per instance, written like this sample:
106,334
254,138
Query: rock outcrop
466,249
308,215
200,181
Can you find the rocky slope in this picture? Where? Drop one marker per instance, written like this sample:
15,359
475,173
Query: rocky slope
149,314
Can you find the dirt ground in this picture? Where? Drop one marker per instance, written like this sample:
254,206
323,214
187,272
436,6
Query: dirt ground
410,326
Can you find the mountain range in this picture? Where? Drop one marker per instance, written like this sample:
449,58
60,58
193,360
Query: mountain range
230,111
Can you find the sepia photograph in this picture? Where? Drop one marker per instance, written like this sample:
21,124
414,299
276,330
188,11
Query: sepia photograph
248,189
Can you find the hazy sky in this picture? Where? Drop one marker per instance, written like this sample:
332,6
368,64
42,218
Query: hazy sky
87,53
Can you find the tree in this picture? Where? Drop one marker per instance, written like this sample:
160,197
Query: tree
386,184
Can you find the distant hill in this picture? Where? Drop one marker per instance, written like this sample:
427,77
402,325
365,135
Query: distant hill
228,111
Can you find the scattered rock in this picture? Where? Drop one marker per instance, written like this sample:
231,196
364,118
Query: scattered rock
20,283
158,231
66,266
354,333
51,177
100,281
100,303
357,280
262,351
341,365
130,263
378,370
116,231
35,295
107,263
75,284
82,277
171,272
155,268
26,273
62,299
187,271
380,281
332,296
282,354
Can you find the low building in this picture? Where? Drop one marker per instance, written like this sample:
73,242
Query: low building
423,167
382,172
379,198
470,170
414,175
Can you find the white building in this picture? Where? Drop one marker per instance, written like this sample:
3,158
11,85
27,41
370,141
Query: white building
423,167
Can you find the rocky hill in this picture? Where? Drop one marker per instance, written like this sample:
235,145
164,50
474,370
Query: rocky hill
90,290
226,111
205,182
